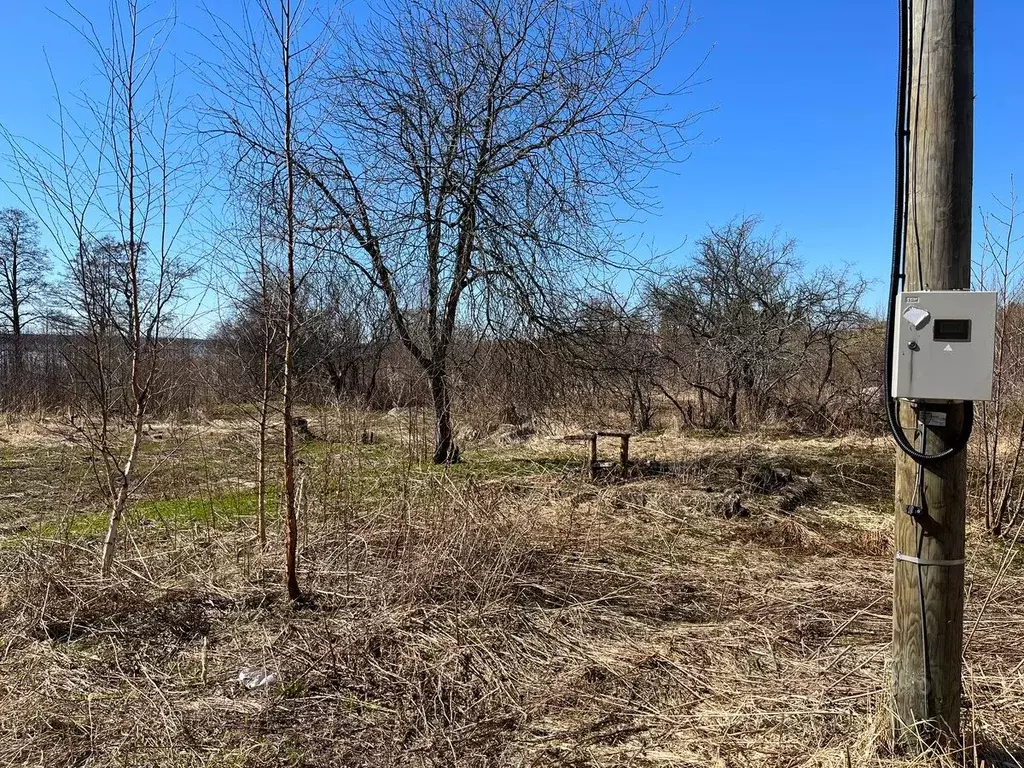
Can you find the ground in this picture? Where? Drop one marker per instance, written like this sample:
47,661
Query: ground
507,611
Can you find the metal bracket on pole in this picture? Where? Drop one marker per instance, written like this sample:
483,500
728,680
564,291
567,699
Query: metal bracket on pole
919,561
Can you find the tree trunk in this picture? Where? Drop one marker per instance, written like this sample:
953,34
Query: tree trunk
339,385
445,450
120,500
371,387
291,532
17,339
734,408
261,454
640,415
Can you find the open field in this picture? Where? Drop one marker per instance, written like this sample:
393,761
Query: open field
506,611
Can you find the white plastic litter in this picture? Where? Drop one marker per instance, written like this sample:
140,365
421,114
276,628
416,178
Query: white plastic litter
256,678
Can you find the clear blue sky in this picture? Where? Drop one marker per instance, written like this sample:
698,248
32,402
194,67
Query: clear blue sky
801,129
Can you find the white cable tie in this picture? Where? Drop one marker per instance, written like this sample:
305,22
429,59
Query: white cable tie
919,561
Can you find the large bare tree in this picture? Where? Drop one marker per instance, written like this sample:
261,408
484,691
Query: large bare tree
469,155
730,312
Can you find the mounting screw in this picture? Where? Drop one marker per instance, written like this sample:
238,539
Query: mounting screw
913,346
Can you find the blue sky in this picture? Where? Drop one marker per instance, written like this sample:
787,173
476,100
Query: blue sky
799,130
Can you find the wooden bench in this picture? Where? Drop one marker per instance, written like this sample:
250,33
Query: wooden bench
591,439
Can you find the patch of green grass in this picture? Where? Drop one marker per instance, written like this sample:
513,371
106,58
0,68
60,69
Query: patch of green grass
167,513
201,510
317,452
393,458
369,475
85,526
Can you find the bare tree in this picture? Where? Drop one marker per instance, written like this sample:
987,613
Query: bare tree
614,341
1001,269
468,155
347,333
252,333
263,89
744,325
830,378
285,35
730,313
24,268
115,197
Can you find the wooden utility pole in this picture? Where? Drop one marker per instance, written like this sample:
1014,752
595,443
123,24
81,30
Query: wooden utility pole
928,598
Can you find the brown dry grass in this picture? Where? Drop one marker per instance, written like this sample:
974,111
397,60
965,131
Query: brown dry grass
509,612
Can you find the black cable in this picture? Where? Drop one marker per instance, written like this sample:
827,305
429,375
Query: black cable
897,274
917,114
921,514
925,655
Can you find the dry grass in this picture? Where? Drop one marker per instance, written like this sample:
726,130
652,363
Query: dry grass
508,612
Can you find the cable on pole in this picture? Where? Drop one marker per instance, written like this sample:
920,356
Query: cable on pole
899,257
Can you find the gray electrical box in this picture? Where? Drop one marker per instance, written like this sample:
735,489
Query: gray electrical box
944,345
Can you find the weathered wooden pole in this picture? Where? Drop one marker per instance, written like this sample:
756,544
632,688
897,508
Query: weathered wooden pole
928,598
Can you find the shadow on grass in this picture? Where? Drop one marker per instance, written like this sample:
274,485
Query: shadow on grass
497,467
175,617
995,755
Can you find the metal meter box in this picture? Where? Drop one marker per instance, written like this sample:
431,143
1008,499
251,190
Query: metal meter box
944,345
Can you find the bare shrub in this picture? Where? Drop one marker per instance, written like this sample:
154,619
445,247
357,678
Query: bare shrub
1001,422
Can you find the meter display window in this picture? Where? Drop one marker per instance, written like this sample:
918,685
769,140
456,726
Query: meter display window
952,330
